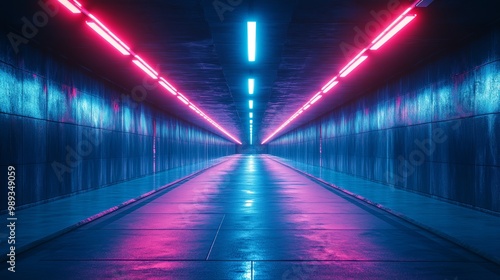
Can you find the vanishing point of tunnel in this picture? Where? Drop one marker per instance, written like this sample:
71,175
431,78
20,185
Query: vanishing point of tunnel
250,139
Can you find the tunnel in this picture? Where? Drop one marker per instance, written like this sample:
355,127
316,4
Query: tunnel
250,139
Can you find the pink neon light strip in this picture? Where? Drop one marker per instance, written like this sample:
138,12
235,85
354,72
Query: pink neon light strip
115,39
381,39
392,32
353,60
316,99
145,69
111,38
194,108
146,65
353,66
327,89
70,6
392,24
329,83
108,38
316,95
183,99
171,86
167,86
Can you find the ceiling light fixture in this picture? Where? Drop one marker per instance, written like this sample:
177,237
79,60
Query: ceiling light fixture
70,6
392,30
153,74
111,38
183,99
168,86
251,86
108,32
333,82
122,48
381,39
252,40
353,66
146,65
251,135
316,99
355,62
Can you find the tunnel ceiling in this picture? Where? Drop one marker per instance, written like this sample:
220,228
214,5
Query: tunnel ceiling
200,47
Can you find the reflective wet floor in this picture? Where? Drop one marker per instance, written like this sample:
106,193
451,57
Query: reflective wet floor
250,218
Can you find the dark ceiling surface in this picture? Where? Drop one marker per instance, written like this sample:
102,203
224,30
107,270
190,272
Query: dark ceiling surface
200,47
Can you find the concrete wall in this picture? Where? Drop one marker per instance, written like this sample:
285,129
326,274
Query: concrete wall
66,131
435,131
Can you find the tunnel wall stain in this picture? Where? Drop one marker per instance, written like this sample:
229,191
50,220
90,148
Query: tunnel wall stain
435,131
66,131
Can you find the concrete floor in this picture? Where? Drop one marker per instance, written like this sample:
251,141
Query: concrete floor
250,217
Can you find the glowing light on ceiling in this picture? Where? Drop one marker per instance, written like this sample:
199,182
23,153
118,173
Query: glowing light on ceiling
252,40
251,136
70,6
168,86
146,68
146,65
251,86
95,24
250,104
183,99
396,26
122,48
333,82
391,31
315,99
251,133
351,66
